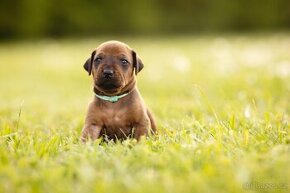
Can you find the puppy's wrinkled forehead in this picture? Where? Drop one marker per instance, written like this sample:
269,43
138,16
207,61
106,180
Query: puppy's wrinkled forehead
113,48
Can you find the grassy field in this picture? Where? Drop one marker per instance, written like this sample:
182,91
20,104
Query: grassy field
222,104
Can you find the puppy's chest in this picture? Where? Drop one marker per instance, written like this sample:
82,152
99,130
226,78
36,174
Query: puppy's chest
114,120
116,123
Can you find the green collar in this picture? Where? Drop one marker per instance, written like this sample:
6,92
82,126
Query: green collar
111,99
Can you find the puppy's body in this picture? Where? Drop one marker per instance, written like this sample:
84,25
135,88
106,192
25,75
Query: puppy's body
112,65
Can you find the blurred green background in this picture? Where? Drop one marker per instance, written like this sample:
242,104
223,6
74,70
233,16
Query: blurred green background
54,18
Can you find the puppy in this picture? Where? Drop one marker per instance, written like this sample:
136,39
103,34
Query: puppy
117,110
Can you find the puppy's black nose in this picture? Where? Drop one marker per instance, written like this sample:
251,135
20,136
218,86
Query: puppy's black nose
108,73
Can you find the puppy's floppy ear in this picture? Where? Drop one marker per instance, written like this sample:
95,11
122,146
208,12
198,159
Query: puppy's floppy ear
137,63
89,63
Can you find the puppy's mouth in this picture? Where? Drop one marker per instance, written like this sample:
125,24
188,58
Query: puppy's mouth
108,86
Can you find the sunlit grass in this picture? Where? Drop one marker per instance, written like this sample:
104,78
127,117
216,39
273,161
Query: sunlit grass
222,104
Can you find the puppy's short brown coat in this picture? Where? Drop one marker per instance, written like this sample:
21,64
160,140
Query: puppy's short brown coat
114,66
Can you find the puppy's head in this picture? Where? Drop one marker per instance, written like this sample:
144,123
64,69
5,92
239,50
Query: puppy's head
113,65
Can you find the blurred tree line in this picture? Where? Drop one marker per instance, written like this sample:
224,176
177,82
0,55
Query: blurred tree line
56,18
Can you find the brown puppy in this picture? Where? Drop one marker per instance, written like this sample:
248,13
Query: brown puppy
118,110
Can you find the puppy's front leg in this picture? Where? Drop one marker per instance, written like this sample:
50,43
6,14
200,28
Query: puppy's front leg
92,131
141,129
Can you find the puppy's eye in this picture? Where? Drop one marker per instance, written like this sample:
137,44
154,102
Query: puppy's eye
98,60
124,61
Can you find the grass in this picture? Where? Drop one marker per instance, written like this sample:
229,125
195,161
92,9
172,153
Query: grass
222,104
